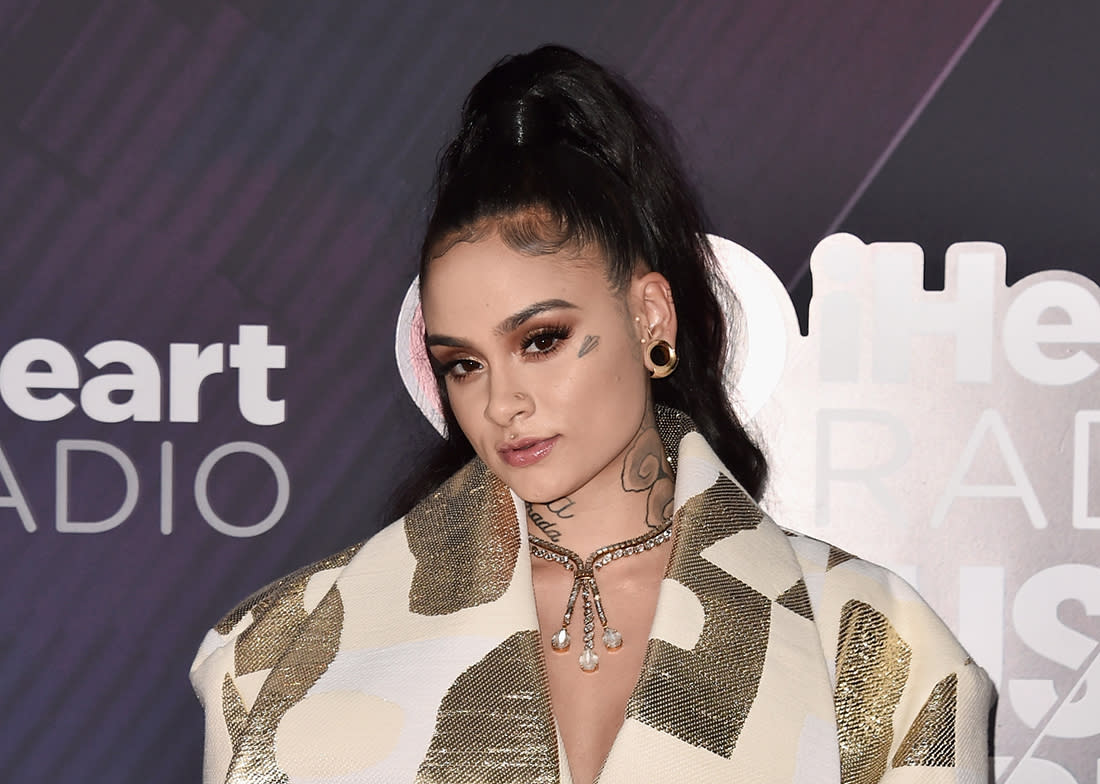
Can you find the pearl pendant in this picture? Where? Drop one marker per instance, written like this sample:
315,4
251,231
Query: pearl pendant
585,589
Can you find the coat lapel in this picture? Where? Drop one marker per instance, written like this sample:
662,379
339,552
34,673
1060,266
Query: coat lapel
733,680
733,629
494,723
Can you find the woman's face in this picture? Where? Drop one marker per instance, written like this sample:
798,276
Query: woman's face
542,362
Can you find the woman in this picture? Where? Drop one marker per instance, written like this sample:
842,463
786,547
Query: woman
587,588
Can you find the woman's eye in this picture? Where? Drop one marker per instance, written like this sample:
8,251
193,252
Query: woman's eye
460,368
545,342
542,343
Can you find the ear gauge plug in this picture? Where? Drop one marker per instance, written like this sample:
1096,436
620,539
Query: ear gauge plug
662,355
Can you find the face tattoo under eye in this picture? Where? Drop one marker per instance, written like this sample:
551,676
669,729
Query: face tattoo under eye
589,343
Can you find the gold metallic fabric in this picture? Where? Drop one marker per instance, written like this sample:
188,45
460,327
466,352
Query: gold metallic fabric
298,668
495,725
278,613
872,666
837,557
672,426
797,600
235,713
703,696
735,684
930,740
465,540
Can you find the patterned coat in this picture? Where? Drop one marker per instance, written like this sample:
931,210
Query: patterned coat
415,656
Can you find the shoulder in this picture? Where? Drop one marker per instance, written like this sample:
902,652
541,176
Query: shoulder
274,616
894,662
844,587
288,588
262,657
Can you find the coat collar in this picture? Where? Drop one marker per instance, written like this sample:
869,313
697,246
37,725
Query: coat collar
730,572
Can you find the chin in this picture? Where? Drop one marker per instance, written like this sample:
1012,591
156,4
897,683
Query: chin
532,491
540,498
532,495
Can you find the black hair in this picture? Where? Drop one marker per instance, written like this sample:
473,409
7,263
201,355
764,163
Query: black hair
557,152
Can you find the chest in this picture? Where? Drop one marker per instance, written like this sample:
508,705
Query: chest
589,707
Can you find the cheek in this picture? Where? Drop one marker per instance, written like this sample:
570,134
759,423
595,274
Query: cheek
464,406
615,381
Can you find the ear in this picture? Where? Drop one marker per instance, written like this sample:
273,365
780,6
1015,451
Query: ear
653,309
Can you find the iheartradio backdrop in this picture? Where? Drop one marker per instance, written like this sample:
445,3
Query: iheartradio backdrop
209,213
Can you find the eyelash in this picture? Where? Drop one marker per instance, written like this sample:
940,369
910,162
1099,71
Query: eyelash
559,332
448,369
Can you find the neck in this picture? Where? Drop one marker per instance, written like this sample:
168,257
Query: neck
637,502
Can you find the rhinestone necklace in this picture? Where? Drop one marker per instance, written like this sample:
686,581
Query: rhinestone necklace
584,585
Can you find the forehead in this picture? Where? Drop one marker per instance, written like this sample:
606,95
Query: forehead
487,280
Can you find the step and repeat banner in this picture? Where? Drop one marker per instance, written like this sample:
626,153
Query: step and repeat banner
209,215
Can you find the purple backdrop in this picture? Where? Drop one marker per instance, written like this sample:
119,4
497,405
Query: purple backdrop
175,169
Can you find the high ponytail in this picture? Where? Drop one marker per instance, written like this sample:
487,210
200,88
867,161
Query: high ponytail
556,152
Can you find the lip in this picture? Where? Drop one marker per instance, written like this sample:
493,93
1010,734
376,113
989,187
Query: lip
526,451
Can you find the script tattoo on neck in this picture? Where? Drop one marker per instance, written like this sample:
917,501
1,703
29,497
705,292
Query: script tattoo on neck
588,344
548,527
561,506
644,472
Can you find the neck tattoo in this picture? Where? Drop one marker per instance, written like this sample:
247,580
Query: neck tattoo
546,526
584,585
561,507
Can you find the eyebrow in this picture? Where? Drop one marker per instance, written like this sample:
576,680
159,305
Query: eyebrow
509,324
518,319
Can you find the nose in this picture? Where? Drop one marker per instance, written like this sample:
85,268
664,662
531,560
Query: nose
507,400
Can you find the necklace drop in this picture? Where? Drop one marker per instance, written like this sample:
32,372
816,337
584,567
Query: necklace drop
584,586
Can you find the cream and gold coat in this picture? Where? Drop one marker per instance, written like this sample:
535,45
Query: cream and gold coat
414,656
